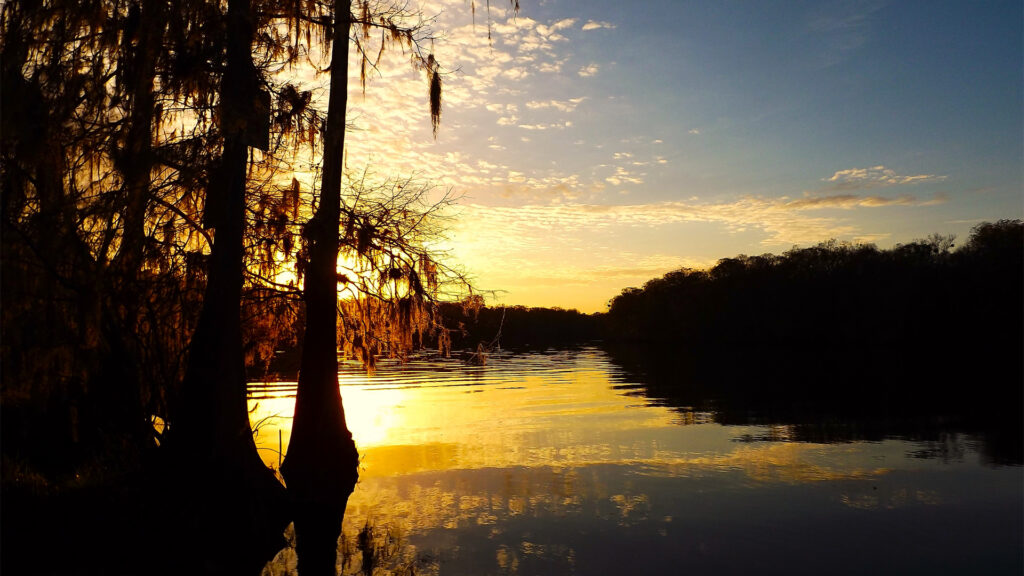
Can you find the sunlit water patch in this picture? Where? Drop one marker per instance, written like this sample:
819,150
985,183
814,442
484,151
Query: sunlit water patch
552,463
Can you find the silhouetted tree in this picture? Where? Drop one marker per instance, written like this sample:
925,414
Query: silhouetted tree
320,466
77,119
472,326
149,215
321,455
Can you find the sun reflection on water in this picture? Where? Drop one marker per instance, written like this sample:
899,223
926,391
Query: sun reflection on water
404,423
504,468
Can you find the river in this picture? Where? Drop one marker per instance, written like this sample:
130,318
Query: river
563,462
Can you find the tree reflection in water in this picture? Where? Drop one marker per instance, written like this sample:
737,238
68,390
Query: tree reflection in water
574,461
372,550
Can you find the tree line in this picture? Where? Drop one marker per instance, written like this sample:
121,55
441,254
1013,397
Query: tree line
922,294
471,325
925,294
842,341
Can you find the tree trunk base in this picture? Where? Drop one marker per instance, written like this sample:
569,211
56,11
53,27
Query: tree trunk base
220,517
317,528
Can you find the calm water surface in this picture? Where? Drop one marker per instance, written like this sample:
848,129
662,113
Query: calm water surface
553,463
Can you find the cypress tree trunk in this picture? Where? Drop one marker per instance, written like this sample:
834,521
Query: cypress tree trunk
320,468
238,501
137,161
321,463
122,397
213,419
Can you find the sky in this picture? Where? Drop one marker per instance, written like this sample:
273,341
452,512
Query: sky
595,145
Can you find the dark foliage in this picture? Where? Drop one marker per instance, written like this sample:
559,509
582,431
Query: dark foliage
517,326
146,216
920,294
842,342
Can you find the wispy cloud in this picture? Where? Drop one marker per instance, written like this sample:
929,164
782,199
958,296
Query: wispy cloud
623,176
784,221
875,177
589,70
576,247
560,105
550,126
625,265
487,92
595,25
843,28
850,201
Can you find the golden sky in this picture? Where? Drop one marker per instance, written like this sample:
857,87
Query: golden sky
596,145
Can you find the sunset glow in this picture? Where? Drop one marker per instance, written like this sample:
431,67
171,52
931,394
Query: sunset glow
540,287
597,145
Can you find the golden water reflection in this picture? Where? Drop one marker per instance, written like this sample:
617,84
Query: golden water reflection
503,468
566,419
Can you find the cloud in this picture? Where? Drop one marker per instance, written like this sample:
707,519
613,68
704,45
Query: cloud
875,177
554,241
783,221
549,31
693,131
552,126
487,91
552,66
560,105
623,265
841,29
594,25
850,201
623,176
589,70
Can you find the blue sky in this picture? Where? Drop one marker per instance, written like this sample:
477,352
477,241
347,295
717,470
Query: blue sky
596,145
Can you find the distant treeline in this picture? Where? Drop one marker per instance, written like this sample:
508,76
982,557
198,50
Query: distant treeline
517,326
926,293
842,341
921,294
